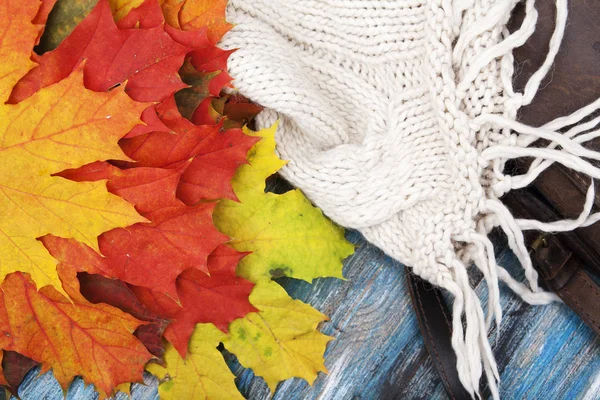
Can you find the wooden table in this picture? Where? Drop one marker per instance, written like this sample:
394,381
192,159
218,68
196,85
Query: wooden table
543,352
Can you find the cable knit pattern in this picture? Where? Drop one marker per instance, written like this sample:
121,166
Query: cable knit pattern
387,111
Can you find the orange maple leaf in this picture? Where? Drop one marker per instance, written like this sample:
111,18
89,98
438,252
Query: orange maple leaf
190,15
94,341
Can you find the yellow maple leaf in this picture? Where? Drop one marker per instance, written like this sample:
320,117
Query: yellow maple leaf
281,341
202,375
285,233
63,126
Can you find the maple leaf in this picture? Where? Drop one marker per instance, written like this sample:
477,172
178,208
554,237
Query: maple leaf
153,255
281,341
19,35
282,335
181,14
285,233
202,374
44,135
218,298
205,68
179,236
197,14
214,155
147,58
75,338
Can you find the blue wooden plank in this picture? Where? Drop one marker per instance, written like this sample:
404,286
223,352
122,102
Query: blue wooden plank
543,352
45,387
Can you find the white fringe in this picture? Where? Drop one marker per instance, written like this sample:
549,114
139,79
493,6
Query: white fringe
472,347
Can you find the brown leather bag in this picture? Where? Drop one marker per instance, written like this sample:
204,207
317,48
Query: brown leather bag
564,261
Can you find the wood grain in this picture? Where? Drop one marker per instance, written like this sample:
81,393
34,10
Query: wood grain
543,352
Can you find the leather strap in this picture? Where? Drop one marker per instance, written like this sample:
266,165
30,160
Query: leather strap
436,328
566,275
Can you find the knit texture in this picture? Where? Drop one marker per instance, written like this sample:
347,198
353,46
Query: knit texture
397,117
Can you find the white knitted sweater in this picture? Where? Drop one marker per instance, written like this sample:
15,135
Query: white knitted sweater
397,117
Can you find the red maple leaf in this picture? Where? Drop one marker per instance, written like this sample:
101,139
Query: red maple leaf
148,59
219,298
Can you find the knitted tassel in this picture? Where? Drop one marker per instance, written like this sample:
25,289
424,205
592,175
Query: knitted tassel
398,117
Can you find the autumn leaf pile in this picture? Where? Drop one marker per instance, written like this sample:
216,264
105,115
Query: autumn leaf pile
136,233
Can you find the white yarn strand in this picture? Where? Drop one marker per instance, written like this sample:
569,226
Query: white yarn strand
397,118
564,225
534,82
516,241
540,165
573,118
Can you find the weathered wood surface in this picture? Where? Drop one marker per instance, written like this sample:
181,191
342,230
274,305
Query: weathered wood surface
543,352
